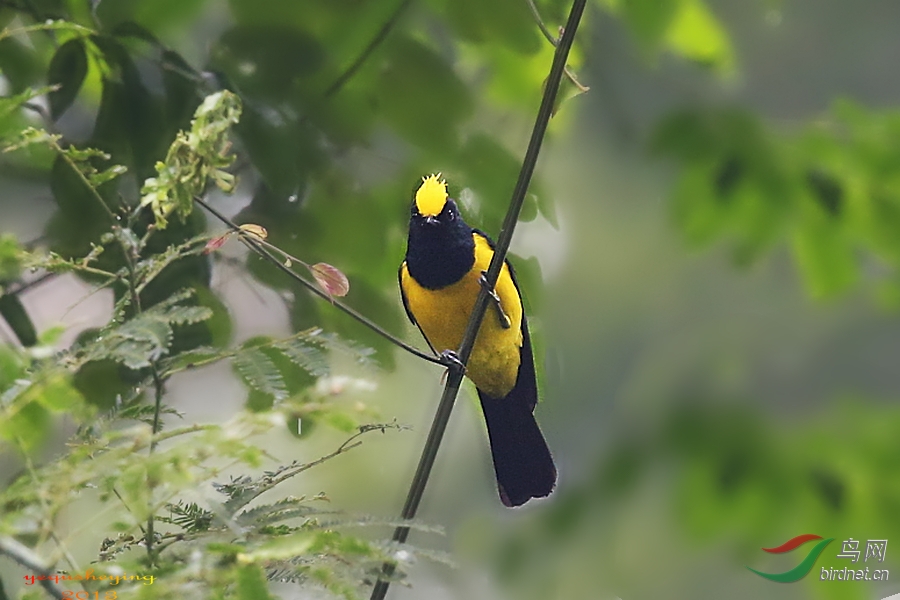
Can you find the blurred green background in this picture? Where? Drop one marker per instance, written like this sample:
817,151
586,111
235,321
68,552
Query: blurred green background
710,259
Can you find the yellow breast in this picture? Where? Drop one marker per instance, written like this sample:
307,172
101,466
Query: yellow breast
443,314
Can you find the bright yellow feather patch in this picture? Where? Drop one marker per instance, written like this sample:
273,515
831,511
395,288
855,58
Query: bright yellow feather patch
431,196
443,314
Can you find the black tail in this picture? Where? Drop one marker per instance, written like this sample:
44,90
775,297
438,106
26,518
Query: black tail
522,460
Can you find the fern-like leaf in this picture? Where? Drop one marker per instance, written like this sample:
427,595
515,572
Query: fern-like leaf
308,356
260,373
187,315
189,516
283,510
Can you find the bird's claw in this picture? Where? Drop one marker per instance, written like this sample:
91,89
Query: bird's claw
450,359
505,323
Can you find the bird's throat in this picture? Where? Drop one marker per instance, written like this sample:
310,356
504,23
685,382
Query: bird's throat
439,256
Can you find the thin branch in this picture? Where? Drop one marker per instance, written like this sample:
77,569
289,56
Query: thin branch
129,251
368,50
44,22
30,284
349,444
256,247
454,380
58,149
555,42
32,472
25,557
540,23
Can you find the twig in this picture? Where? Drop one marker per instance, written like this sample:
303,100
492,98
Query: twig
454,380
22,555
540,23
349,444
128,251
32,472
367,51
30,284
256,247
555,42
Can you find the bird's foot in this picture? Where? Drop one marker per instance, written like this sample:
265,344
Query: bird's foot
450,359
505,323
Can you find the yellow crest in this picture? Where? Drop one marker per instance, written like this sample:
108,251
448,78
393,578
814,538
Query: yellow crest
431,196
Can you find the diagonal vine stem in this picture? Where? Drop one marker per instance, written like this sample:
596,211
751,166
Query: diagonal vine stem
266,254
454,380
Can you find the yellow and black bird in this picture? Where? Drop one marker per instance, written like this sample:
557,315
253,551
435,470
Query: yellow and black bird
439,282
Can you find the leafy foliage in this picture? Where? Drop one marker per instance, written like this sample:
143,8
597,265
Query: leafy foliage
193,158
145,342
828,190
319,90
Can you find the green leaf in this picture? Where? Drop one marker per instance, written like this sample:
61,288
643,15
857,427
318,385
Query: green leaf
149,328
59,395
9,104
650,19
531,282
20,64
825,256
282,150
68,68
259,373
135,30
77,201
99,178
180,82
104,382
377,304
194,357
138,19
283,547
12,366
130,121
495,22
490,170
192,159
251,583
547,207
420,95
28,427
147,337
529,210
216,330
186,315
134,355
306,355
253,59
696,34
10,257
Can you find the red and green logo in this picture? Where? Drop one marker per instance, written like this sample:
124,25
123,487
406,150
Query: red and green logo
805,566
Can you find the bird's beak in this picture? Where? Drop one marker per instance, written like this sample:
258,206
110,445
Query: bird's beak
431,220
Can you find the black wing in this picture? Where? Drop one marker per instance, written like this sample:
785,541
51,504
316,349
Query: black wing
409,314
522,461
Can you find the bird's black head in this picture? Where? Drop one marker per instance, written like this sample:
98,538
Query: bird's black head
440,248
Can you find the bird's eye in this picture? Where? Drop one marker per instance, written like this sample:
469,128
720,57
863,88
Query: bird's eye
451,216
